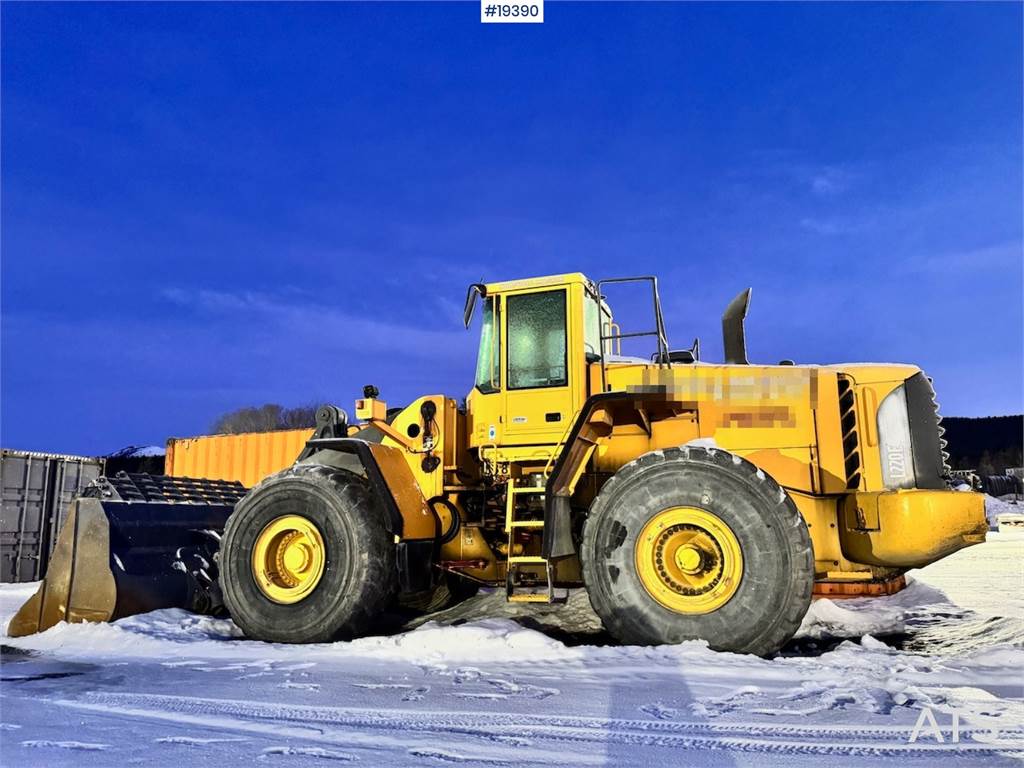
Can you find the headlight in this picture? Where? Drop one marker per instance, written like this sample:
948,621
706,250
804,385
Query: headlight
894,445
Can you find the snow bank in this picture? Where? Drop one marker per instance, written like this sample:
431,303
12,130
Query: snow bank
486,627
487,639
178,633
828,619
449,638
875,616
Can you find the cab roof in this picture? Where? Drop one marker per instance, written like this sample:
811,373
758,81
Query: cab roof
536,282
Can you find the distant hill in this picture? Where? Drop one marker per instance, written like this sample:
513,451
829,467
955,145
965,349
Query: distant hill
988,445
134,458
135,451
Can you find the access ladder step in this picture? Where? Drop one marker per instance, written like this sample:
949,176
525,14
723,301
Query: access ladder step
550,595
532,597
525,594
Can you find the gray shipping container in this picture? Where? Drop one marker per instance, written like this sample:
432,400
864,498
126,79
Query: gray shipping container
37,488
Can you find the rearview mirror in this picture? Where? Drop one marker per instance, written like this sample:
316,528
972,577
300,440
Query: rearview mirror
476,289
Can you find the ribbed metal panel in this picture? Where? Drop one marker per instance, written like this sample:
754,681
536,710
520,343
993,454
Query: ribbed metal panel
931,461
246,458
851,442
37,488
943,443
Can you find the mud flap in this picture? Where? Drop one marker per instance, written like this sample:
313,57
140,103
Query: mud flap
558,529
416,570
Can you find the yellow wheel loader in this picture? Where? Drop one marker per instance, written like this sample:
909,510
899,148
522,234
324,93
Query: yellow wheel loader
692,500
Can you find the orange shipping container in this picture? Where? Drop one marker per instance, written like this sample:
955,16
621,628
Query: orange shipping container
248,457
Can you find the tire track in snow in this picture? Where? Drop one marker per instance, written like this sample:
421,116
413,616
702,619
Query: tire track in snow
781,738
77,745
319,752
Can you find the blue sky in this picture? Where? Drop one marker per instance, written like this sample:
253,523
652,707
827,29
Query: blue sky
207,206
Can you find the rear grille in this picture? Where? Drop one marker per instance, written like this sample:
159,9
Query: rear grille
947,471
848,424
931,460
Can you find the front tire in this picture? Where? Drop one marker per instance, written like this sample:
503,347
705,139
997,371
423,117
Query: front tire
342,568
697,543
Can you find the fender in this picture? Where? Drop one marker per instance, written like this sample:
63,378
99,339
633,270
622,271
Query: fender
593,423
406,513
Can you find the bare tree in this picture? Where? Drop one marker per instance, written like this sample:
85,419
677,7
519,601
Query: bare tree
265,418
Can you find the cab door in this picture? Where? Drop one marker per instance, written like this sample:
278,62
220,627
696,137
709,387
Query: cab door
541,379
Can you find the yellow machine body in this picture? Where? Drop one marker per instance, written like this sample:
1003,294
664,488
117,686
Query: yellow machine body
794,422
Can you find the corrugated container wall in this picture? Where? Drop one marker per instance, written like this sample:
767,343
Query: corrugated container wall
37,488
248,457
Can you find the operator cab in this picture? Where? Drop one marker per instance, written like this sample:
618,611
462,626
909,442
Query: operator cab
540,339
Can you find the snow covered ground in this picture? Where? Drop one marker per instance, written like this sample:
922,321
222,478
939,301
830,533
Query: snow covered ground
490,684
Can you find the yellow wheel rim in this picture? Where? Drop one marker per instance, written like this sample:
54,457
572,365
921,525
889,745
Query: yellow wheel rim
288,559
689,560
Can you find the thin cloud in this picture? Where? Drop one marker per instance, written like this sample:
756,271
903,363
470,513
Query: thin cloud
336,329
1003,257
831,181
823,180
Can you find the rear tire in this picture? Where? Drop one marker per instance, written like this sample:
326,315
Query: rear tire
777,570
359,577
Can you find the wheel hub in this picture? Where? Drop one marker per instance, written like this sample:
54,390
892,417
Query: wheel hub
689,560
288,559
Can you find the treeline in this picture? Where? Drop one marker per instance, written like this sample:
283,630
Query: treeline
265,418
988,445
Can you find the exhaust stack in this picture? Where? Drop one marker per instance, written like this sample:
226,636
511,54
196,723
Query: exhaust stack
733,336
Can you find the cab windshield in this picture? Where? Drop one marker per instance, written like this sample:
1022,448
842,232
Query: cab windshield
488,361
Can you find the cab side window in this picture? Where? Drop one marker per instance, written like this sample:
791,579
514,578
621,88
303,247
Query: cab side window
488,361
591,329
537,340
